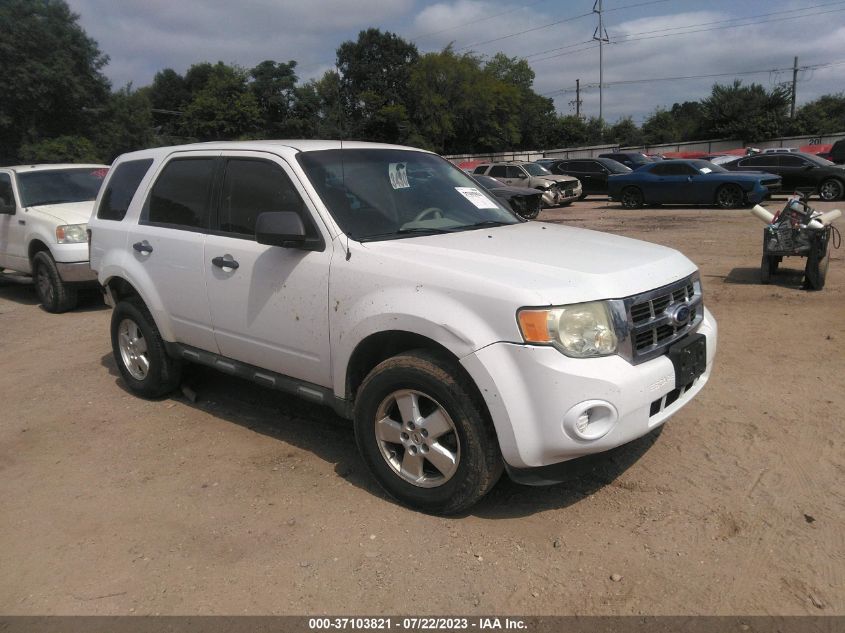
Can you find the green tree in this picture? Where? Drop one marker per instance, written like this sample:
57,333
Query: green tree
274,87
749,113
126,124
374,74
62,149
825,115
223,108
51,83
625,132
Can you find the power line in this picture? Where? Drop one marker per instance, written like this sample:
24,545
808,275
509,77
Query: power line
626,82
631,38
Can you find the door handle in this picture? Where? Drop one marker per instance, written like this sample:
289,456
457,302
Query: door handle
227,261
143,247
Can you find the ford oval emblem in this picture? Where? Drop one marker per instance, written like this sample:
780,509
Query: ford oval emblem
680,314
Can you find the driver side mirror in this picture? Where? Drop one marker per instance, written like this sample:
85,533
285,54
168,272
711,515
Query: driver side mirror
285,229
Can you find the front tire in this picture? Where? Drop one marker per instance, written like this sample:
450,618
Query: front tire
139,352
423,431
729,197
54,294
831,189
632,198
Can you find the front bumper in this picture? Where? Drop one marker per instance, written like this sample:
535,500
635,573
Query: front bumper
76,272
532,391
562,194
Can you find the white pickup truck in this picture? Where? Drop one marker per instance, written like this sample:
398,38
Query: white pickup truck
43,214
383,282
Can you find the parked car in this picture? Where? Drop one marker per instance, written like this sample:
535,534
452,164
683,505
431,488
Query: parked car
383,282
798,170
632,160
524,201
837,152
690,182
43,215
557,190
592,173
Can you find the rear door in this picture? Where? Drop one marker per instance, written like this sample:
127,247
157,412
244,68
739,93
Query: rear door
269,304
168,244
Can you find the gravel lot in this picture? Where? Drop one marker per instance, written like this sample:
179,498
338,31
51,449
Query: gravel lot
248,501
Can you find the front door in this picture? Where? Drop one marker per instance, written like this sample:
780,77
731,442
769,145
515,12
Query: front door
269,304
168,243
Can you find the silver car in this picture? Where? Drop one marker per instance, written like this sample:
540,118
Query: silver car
557,190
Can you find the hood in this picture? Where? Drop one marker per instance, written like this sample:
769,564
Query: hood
557,178
66,212
536,263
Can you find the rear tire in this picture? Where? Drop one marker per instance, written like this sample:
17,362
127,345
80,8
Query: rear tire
139,351
632,198
54,294
423,432
831,189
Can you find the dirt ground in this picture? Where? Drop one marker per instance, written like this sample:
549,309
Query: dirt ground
249,501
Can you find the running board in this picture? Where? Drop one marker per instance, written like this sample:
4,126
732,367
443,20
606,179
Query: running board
279,382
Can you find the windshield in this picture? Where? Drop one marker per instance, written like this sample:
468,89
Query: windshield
56,186
616,167
379,194
536,170
702,165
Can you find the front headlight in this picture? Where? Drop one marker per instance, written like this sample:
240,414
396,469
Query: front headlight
71,233
581,330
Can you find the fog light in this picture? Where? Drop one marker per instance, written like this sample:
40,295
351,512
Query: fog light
590,420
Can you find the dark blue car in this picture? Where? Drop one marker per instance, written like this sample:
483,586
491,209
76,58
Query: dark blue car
690,182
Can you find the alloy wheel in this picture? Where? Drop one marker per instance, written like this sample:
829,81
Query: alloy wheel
133,349
417,438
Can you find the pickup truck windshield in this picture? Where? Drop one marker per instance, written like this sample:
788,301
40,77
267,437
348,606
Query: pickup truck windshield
380,194
55,186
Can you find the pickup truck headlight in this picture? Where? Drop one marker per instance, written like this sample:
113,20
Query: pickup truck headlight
581,330
71,233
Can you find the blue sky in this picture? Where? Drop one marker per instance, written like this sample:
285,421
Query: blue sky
649,40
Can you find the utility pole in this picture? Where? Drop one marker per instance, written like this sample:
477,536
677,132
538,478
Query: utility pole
577,101
601,35
794,83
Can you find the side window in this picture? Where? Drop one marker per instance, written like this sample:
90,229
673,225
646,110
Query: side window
682,169
759,161
515,172
121,189
7,198
662,170
498,171
252,187
180,195
791,161
480,169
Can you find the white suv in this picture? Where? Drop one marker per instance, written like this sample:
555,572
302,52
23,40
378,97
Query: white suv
43,211
383,282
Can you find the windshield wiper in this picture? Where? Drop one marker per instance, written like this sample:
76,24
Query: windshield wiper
419,230
484,224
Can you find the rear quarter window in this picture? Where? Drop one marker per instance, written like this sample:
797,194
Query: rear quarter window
121,189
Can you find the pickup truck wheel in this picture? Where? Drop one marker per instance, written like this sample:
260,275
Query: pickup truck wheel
55,295
422,432
632,198
139,352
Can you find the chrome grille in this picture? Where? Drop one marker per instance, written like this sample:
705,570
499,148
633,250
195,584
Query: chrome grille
652,318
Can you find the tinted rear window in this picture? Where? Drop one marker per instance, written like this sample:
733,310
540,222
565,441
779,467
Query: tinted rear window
121,189
180,195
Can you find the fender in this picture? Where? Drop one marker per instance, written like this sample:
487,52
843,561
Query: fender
429,313
132,272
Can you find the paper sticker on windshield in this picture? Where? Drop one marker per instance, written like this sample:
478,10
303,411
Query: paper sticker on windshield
398,175
705,170
476,197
